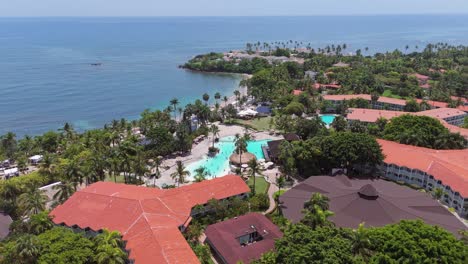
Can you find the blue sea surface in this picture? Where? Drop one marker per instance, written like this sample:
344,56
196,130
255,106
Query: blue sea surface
46,76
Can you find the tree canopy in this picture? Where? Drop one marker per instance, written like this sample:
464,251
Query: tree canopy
410,241
422,131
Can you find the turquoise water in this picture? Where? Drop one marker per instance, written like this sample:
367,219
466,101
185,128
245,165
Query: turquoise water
219,164
327,119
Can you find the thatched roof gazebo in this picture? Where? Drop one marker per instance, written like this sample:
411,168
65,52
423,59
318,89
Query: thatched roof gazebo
236,158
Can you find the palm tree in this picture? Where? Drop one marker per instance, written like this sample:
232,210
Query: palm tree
180,173
74,173
22,164
361,242
214,129
39,223
174,102
206,97
8,144
241,146
201,174
156,163
47,165
64,191
109,248
317,218
32,201
27,249
280,182
237,94
217,96
106,254
225,99
254,169
319,200
112,238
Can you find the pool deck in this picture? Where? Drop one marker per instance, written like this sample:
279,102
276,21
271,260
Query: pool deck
200,150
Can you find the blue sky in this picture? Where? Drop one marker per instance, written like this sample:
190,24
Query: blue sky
226,8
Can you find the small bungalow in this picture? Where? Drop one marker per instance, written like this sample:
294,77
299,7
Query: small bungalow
263,110
34,160
242,239
8,173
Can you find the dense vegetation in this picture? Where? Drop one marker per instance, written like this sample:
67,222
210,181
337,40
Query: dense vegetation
39,241
388,73
316,240
322,153
422,131
405,242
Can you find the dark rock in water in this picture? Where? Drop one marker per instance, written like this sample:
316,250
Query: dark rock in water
96,64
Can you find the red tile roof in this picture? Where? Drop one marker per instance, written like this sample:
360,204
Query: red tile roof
448,166
441,113
224,237
455,98
420,77
297,92
371,116
382,99
147,218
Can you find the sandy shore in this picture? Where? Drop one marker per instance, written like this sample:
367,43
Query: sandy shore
200,150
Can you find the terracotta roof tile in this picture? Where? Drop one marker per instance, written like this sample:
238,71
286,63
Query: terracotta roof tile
448,166
147,218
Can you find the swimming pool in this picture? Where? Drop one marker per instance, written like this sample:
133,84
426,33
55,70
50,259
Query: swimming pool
219,164
327,119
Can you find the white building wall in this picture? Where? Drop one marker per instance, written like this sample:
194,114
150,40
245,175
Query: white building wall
418,178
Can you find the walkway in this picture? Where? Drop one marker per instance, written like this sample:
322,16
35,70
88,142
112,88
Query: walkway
270,176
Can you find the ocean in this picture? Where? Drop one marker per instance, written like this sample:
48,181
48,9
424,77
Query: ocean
46,76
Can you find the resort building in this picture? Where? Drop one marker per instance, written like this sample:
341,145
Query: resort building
383,102
244,238
429,169
376,202
451,118
149,219
272,150
422,80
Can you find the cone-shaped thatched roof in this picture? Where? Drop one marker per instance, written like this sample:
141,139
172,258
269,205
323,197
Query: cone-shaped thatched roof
246,157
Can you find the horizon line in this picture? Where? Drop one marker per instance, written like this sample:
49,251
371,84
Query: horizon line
220,16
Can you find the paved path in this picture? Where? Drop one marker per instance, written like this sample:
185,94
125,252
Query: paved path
270,176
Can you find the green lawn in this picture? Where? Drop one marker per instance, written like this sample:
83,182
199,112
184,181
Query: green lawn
388,93
259,124
120,178
261,185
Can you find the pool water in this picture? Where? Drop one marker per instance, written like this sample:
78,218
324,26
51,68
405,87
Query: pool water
327,119
219,164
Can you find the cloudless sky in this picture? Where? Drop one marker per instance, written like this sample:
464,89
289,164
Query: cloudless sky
227,7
